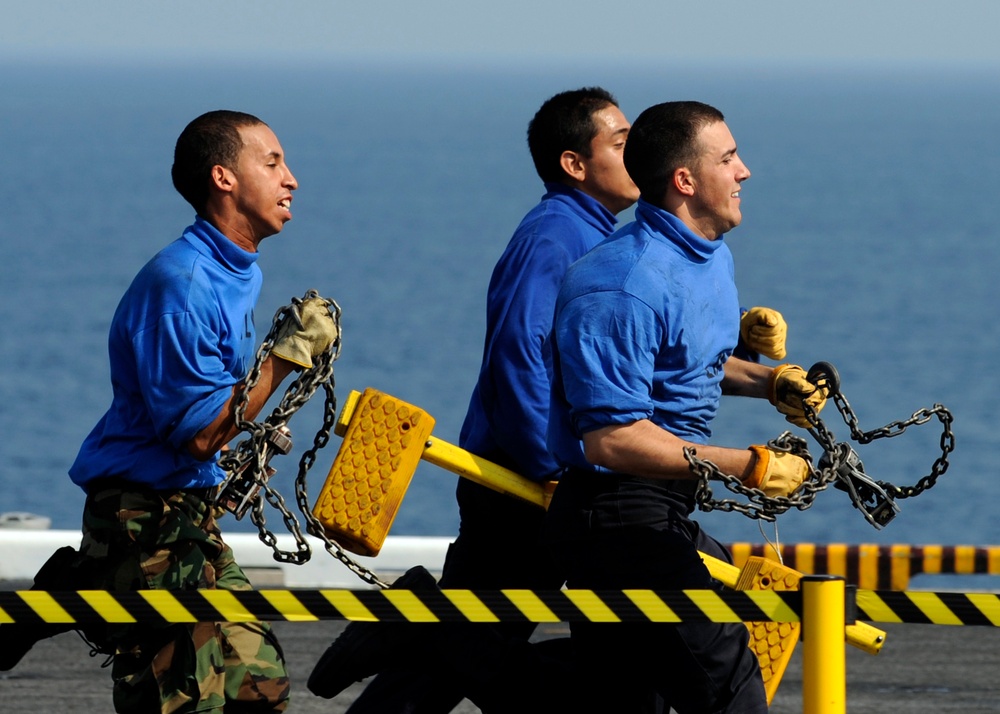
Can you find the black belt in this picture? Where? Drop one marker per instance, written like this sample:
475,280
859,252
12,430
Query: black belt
112,482
599,479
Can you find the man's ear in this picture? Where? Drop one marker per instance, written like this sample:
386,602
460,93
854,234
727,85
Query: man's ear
574,165
223,178
683,181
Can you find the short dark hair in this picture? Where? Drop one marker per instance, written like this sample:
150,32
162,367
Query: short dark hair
663,139
209,140
565,122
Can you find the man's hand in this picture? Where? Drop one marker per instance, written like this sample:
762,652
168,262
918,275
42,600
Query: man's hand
316,331
764,330
789,391
776,473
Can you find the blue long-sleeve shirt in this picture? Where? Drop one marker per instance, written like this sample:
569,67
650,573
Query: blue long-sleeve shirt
181,338
508,413
643,327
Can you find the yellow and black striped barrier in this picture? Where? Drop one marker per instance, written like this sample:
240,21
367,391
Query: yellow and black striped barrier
877,567
652,606
929,608
163,606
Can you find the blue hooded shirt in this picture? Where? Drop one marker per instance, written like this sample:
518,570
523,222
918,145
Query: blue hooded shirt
644,324
181,338
507,419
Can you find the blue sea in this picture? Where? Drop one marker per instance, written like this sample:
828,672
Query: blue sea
870,221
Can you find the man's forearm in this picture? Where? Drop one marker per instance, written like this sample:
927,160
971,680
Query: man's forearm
644,449
206,443
745,379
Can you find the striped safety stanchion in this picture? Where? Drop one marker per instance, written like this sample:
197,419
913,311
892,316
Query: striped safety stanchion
877,567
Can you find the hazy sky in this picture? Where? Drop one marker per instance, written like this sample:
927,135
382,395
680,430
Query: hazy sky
908,31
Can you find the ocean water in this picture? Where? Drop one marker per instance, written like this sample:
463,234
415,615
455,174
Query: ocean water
869,221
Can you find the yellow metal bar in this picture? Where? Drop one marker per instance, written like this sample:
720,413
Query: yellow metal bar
805,558
993,557
824,662
933,557
965,559
860,634
836,559
485,473
459,461
900,567
868,556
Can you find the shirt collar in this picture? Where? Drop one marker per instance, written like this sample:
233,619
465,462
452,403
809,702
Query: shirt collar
589,208
676,231
214,242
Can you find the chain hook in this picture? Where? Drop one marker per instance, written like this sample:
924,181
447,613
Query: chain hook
839,464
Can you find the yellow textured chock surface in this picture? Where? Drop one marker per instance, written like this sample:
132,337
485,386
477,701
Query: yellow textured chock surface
772,642
384,439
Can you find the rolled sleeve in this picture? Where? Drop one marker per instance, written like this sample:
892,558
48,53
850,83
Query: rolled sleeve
607,347
185,383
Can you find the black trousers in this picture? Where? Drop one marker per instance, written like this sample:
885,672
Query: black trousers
498,546
617,531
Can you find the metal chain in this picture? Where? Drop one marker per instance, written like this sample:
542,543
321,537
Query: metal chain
758,505
839,465
248,461
892,430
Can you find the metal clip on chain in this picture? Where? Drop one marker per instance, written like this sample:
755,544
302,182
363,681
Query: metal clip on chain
241,489
877,505
247,486
839,465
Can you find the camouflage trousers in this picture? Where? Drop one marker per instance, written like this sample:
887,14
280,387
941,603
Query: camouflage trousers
144,539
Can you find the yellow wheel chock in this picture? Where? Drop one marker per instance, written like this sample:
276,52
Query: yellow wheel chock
383,440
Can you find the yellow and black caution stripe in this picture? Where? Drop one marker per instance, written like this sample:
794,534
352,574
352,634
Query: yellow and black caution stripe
929,608
878,567
161,606
654,606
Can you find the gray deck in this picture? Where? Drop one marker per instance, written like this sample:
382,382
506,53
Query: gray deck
922,668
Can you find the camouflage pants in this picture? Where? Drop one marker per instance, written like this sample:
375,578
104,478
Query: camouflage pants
146,539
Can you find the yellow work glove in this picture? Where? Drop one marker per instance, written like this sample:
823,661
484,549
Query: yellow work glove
764,330
776,473
789,390
298,342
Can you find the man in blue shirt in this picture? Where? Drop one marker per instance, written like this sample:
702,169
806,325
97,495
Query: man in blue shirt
642,349
576,140
181,344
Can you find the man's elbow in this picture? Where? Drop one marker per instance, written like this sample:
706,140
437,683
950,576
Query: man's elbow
201,448
598,448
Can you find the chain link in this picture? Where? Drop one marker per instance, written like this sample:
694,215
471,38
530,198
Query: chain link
839,464
249,459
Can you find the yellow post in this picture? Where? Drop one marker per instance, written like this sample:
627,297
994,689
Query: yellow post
824,669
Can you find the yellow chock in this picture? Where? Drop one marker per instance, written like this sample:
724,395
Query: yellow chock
865,637
384,439
772,642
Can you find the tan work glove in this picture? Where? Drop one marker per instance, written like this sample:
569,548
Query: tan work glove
764,330
299,343
788,390
776,473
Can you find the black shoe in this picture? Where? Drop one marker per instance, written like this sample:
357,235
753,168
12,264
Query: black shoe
19,637
365,648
